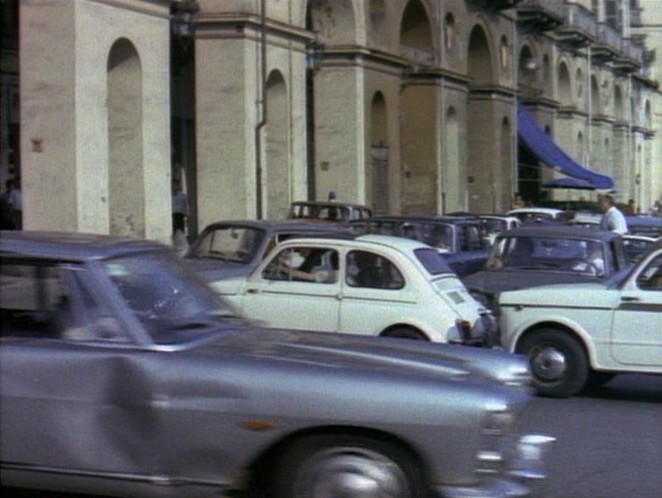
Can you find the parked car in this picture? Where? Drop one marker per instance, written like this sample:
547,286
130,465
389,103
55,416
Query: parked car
636,246
494,224
372,285
646,225
328,211
548,254
122,374
583,334
538,214
459,239
235,247
586,219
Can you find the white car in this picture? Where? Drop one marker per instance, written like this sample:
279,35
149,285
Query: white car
583,334
370,284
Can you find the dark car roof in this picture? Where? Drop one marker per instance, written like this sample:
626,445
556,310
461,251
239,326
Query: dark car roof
72,246
337,204
422,218
564,231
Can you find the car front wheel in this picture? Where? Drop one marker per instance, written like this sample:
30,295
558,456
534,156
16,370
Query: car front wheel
332,466
558,362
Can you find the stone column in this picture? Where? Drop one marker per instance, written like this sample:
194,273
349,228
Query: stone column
65,66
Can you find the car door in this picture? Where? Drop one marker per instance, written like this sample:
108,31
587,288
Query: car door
298,287
375,295
637,325
70,403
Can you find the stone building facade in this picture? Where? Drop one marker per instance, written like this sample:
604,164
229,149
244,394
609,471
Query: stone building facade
409,106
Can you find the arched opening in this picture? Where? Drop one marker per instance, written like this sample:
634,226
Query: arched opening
480,58
126,188
546,75
579,84
527,71
449,32
504,180
483,126
277,175
416,40
595,96
453,187
564,86
378,173
619,108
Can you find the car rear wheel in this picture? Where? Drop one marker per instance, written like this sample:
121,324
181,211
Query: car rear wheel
332,466
558,362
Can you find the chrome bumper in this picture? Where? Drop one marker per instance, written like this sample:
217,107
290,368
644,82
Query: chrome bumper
522,478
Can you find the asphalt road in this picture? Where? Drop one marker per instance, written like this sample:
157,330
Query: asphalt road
609,442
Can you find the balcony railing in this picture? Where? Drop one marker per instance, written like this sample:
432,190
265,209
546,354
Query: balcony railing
608,42
541,15
631,56
580,26
496,4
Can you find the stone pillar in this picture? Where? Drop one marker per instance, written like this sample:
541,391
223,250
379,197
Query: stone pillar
65,63
226,80
339,135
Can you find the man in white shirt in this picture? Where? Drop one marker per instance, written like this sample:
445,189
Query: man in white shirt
612,219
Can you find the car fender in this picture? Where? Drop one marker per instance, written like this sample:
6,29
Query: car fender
563,322
432,334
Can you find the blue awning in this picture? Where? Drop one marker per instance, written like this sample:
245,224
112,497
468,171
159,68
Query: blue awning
544,148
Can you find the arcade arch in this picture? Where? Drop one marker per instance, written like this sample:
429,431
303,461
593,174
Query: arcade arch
277,177
126,186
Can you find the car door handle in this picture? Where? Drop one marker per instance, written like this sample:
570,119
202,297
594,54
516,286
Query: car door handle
252,290
629,298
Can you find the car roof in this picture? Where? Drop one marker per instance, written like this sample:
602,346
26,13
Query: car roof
423,218
643,221
390,241
72,246
338,204
535,210
564,231
275,225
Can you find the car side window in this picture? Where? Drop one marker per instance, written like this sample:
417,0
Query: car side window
46,300
83,317
304,264
369,270
650,279
30,294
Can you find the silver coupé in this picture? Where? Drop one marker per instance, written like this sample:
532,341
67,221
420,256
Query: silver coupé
122,374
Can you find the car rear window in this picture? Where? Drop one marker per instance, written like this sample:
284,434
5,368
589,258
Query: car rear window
432,261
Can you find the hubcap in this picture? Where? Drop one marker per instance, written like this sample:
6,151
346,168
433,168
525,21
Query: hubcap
548,363
351,473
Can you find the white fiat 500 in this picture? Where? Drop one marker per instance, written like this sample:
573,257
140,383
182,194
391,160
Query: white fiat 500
583,334
371,285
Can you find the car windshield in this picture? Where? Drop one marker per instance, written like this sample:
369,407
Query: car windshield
229,243
546,253
432,261
171,303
